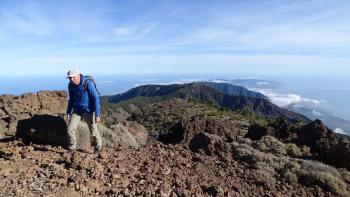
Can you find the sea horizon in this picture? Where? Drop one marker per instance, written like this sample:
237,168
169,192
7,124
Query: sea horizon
327,91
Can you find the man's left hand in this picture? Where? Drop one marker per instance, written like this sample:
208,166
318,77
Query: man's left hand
97,119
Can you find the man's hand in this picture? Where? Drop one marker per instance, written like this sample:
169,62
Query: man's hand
97,119
67,117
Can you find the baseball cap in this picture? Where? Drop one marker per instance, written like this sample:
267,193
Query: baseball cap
72,73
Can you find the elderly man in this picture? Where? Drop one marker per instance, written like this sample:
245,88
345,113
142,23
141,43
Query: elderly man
83,104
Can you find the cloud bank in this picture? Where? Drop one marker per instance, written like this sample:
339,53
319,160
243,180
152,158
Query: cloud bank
285,99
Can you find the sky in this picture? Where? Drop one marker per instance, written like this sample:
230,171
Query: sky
165,36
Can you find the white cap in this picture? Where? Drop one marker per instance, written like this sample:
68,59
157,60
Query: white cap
72,73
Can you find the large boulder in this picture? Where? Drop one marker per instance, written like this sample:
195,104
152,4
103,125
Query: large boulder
44,129
339,155
281,129
318,137
14,109
256,132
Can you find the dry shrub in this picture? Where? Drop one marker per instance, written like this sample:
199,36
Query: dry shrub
329,178
270,144
264,178
325,180
345,175
243,140
317,166
305,150
269,167
117,136
290,177
293,150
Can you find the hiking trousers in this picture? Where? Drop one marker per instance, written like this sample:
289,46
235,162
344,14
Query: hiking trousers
73,125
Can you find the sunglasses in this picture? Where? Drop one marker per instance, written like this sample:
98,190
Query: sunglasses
72,77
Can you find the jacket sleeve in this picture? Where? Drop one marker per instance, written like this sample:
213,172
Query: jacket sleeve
95,98
70,100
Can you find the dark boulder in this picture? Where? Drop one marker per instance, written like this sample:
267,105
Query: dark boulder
256,132
284,130
318,137
339,155
43,129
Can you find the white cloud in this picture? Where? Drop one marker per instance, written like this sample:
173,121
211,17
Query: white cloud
106,82
340,131
262,83
285,99
317,113
122,31
26,18
219,81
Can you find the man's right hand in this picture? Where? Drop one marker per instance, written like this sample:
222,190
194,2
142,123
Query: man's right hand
67,117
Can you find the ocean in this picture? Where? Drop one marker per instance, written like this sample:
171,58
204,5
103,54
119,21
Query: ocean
331,93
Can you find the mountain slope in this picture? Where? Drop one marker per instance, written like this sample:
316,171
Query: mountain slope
204,93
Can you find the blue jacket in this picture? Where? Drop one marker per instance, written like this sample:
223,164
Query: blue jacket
83,102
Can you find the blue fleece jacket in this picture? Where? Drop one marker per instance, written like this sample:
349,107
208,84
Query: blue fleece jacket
83,102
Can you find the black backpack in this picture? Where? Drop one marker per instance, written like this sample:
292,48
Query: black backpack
87,79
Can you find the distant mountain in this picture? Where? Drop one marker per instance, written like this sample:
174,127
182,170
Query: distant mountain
250,83
208,93
331,121
234,90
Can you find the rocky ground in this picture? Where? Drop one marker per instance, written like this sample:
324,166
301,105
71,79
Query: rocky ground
156,170
172,148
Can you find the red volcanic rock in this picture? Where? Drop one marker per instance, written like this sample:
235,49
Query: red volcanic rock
14,109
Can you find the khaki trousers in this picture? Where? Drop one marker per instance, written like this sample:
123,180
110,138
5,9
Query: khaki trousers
73,125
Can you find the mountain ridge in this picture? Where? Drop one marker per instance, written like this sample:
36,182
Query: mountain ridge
210,93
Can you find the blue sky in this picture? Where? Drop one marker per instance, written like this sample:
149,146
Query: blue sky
167,36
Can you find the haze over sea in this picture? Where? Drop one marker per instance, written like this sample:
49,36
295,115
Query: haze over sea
329,93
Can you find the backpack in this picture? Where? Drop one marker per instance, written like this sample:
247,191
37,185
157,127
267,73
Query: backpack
87,79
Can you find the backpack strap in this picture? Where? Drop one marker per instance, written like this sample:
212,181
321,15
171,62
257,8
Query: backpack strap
89,78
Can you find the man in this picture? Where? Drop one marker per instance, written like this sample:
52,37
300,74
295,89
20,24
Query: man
83,104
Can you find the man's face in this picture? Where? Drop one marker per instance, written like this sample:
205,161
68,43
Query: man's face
75,79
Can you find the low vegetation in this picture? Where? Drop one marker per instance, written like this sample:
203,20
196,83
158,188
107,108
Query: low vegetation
271,161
